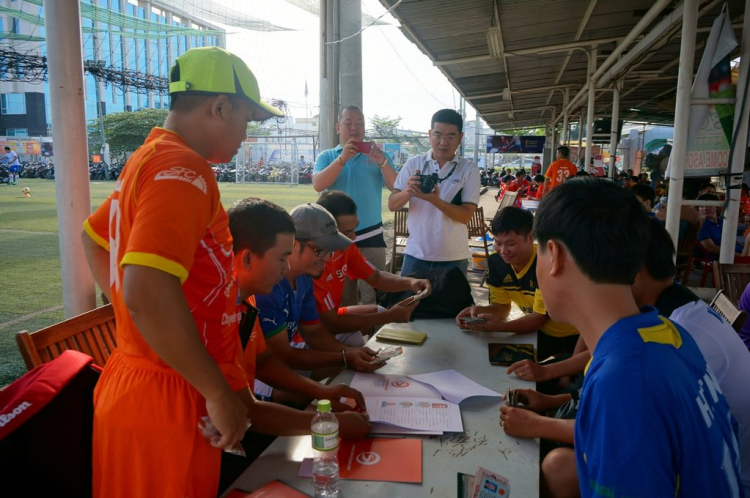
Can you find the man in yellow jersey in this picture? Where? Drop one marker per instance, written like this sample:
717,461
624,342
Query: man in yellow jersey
512,278
160,248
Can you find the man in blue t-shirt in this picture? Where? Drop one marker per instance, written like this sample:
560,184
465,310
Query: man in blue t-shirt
652,420
361,175
288,317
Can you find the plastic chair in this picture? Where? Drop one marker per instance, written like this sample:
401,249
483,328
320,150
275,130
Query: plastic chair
705,258
92,333
685,250
400,234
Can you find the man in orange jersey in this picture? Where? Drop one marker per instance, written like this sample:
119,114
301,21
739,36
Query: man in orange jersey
560,170
160,248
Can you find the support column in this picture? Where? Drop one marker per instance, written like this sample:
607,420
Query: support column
590,110
477,133
62,21
149,60
566,125
613,135
737,156
681,117
350,54
327,115
580,138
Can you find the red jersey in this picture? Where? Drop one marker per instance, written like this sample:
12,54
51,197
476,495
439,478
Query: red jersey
256,342
330,286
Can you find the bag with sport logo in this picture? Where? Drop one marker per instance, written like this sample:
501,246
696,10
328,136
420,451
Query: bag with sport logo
46,423
451,293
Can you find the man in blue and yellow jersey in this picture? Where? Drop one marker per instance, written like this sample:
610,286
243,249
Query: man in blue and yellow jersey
512,279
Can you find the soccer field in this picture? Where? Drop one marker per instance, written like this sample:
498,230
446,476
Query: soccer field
30,278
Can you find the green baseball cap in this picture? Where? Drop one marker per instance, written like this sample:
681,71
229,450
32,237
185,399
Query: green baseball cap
214,70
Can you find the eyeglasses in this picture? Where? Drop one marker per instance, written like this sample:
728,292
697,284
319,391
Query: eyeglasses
319,253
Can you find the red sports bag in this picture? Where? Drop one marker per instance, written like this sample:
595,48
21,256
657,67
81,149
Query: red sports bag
46,420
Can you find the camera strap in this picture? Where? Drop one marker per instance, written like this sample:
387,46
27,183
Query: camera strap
441,180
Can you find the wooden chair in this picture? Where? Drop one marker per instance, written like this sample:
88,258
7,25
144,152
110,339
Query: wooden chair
478,228
724,306
400,234
685,248
92,333
732,279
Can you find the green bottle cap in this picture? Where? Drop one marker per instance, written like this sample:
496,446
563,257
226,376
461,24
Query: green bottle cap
324,406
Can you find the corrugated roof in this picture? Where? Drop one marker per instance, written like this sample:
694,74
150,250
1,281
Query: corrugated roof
453,34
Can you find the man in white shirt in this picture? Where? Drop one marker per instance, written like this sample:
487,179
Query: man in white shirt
438,215
14,167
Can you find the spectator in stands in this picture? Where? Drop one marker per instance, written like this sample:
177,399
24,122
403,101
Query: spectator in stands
536,191
512,279
688,214
582,174
536,166
362,177
350,262
646,196
437,219
581,227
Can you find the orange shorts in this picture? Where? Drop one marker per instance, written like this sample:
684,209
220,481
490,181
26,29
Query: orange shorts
146,437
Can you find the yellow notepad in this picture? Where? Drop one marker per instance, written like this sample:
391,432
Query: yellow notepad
404,336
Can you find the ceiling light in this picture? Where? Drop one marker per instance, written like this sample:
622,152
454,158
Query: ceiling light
495,42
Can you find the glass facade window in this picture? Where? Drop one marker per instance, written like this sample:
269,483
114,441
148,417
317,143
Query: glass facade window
16,26
13,103
17,132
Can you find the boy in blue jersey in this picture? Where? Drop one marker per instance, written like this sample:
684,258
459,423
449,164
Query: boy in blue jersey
652,420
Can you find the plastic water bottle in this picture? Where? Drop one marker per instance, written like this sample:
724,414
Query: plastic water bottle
325,442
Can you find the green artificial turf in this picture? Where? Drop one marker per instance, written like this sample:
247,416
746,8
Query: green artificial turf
30,275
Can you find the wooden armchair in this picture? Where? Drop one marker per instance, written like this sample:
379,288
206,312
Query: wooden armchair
92,333
478,229
732,279
400,234
723,306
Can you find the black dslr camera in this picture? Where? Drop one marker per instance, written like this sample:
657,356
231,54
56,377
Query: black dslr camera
428,182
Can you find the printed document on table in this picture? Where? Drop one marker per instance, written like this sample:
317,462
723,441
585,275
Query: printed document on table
372,384
424,414
452,385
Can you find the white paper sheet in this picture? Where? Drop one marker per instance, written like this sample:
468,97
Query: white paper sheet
453,386
371,384
425,414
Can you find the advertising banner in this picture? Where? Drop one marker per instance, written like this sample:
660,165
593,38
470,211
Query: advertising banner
515,144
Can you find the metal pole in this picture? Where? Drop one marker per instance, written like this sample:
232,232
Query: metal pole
590,110
740,130
477,130
615,127
566,113
580,138
681,117
62,22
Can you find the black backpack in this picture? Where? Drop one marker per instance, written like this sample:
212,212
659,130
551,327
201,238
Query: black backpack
451,293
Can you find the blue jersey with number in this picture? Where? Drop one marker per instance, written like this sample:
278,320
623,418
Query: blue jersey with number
652,420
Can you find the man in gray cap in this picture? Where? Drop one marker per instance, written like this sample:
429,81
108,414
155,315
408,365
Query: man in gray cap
288,317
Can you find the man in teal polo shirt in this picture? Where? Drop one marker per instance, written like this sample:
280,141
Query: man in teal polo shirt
361,176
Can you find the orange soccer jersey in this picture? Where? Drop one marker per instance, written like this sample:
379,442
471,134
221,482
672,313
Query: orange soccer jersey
329,287
559,171
256,341
165,214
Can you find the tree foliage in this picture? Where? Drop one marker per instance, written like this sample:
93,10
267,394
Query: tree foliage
125,131
386,126
537,132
